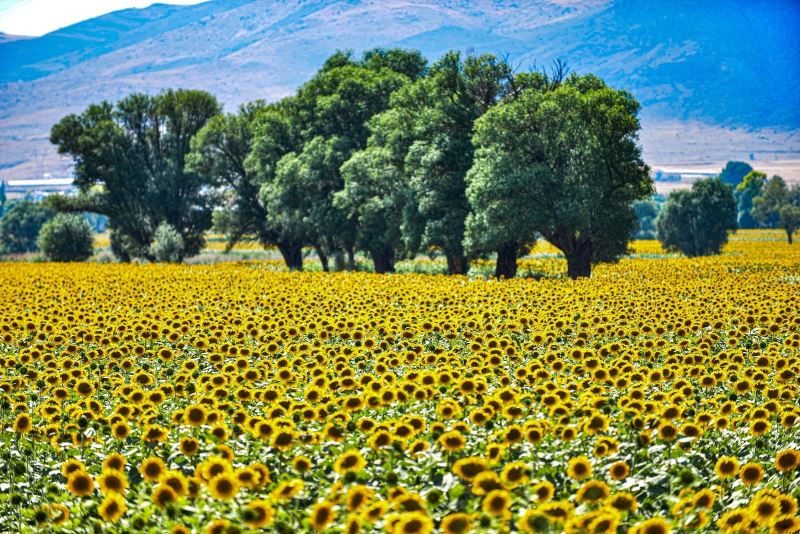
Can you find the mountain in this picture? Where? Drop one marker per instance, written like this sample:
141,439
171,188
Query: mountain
718,79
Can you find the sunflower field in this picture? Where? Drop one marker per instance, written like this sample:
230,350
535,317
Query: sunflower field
661,395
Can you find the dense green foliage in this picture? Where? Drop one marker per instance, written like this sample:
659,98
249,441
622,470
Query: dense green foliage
66,237
646,212
734,172
20,226
561,160
167,245
696,221
381,155
130,165
778,206
749,188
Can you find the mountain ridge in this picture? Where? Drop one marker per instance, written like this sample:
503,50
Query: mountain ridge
240,50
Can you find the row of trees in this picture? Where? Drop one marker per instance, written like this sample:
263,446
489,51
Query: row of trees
383,154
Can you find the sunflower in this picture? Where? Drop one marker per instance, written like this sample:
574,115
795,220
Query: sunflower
214,466
558,511
734,520
623,501
605,522
112,508
287,490
592,491
114,461
218,526
71,465
57,513
175,480
349,460
152,468
751,474
189,446
619,470
322,515
259,514
23,423
655,525
727,467
515,474
704,499
413,523
667,431
357,496
759,427
283,439
486,482
785,524
195,415
533,520
163,496
544,491
112,481
763,508
374,511
452,441
84,388
787,460
457,523
496,502
302,464
223,487
80,483
468,468
579,468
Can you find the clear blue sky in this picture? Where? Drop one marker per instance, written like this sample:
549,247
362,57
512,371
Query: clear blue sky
37,17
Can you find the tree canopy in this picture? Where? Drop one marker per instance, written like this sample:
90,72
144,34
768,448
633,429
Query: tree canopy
696,221
130,165
778,206
562,161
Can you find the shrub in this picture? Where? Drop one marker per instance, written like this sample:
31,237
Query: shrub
696,222
66,237
20,226
167,245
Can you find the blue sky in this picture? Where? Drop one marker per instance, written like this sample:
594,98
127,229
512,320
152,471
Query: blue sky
37,17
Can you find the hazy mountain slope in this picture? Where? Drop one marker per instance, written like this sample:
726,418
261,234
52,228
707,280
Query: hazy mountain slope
725,63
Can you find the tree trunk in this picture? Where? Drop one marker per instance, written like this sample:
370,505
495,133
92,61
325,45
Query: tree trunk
351,260
339,261
293,255
383,260
579,262
789,232
457,264
323,258
506,266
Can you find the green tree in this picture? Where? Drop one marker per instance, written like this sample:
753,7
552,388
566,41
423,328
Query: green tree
778,206
130,165
375,194
696,221
331,113
66,237
424,144
749,188
562,161
239,153
167,245
20,226
646,213
734,172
